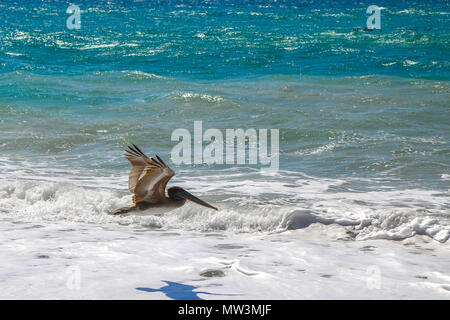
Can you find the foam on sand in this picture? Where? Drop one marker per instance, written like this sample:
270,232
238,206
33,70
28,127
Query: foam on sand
86,261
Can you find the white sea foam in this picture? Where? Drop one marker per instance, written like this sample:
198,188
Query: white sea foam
248,201
14,54
87,261
245,206
99,46
193,96
143,75
408,62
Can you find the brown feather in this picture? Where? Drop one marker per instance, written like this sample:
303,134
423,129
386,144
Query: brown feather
148,177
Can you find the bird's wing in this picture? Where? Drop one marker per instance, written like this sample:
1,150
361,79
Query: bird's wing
138,163
148,176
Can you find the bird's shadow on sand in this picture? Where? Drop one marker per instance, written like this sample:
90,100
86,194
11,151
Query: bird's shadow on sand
179,291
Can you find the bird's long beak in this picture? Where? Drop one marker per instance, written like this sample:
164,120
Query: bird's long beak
186,195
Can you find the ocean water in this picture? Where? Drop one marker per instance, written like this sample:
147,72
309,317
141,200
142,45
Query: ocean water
363,120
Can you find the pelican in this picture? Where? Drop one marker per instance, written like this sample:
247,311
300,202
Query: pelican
148,180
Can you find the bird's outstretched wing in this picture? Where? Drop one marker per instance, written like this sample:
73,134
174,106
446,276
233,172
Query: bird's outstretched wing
148,176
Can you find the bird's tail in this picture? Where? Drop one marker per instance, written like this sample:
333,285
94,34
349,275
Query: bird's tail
124,210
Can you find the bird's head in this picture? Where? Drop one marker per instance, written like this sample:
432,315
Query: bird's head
178,194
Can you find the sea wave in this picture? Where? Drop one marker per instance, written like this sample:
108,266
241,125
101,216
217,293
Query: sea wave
361,215
199,97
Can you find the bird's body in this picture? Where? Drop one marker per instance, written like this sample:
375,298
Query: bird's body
146,208
148,180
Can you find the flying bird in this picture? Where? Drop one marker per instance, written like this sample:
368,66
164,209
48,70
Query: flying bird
148,180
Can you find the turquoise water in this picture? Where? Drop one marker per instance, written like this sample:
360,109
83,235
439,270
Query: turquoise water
370,109
346,101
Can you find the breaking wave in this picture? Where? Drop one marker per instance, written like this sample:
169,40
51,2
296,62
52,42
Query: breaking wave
362,218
